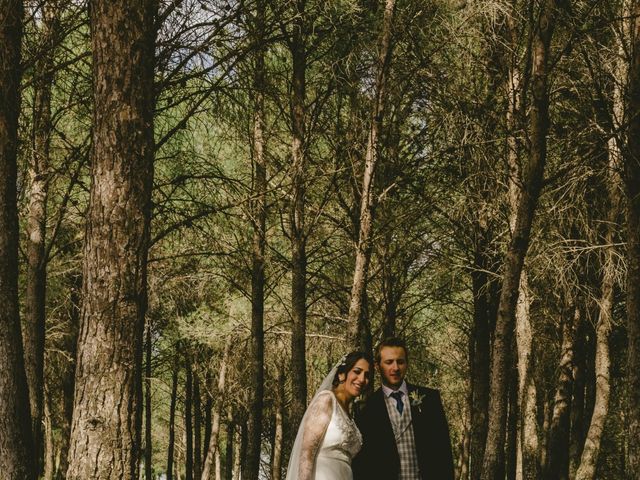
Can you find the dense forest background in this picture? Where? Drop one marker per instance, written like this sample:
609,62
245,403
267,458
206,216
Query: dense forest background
206,203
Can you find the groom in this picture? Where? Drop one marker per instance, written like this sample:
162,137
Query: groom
404,428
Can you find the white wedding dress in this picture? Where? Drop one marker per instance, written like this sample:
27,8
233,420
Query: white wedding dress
334,444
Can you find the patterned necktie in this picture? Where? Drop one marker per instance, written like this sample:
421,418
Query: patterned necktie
397,396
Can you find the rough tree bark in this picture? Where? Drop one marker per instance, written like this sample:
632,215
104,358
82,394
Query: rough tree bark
197,427
513,422
278,437
16,444
462,465
217,414
188,418
148,450
297,217
208,417
576,438
105,433
493,462
357,333
35,296
259,217
172,419
388,286
632,183
48,469
547,412
590,379
527,442
218,463
479,354
239,450
229,453
557,467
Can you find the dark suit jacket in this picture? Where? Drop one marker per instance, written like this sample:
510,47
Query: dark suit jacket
378,459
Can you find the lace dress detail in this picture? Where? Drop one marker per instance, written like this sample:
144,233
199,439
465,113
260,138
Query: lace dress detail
351,438
330,439
341,442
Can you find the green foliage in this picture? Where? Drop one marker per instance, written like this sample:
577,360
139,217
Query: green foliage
442,187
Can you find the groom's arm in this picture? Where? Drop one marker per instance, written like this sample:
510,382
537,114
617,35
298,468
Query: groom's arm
442,444
360,463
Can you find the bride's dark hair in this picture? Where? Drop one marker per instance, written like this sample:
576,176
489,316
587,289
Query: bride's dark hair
348,362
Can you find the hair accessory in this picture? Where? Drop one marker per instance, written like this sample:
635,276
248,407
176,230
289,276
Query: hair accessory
343,360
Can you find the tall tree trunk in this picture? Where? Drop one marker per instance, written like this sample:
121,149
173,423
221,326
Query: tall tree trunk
239,451
208,418
34,329
547,412
213,448
480,352
105,433
357,331
590,379
513,421
244,440
527,443
49,467
259,216
588,462
148,450
178,458
527,434
297,217
218,463
229,447
172,419
462,466
188,418
558,447
16,443
197,427
632,182
493,462
278,437
237,460
576,441
68,377
388,288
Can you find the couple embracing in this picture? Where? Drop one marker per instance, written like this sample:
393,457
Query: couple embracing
401,433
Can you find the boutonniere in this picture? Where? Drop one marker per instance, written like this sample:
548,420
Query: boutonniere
416,400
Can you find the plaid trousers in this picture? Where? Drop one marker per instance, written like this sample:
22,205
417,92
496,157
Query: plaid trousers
405,441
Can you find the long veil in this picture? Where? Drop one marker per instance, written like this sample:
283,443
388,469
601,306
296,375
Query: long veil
294,459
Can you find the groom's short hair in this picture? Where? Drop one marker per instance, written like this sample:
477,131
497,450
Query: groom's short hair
391,342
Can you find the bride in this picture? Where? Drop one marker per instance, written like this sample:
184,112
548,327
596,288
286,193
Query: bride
328,438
